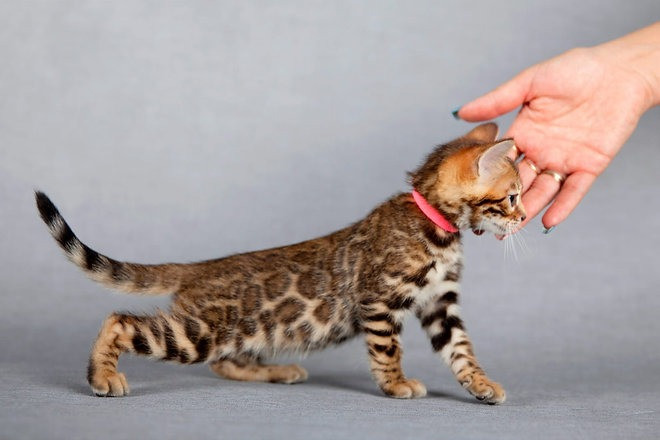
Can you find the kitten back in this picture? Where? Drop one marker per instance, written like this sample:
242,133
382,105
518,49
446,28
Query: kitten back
127,277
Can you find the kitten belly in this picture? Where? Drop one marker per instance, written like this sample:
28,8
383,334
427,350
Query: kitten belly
323,321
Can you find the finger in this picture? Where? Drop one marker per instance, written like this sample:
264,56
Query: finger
527,172
503,99
540,193
573,190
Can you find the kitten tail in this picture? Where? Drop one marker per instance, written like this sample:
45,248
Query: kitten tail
127,277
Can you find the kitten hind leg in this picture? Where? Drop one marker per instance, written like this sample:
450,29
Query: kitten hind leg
250,369
177,338
102,373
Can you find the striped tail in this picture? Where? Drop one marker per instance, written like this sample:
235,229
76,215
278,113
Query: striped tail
127,277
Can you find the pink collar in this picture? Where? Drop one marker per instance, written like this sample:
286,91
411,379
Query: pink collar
433,214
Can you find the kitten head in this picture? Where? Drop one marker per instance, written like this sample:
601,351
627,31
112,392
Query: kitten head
473,182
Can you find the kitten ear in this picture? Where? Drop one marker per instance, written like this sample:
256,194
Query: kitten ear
490,160
483,133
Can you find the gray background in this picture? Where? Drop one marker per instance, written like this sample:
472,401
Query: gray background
178,131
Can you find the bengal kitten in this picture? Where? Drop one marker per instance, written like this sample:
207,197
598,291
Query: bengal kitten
236,311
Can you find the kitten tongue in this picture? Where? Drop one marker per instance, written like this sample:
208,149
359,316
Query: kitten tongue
478,231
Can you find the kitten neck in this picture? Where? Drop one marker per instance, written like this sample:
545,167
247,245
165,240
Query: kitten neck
432,214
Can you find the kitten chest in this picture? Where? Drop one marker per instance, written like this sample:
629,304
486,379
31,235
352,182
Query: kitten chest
443,277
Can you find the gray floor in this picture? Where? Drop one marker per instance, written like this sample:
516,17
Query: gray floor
184,131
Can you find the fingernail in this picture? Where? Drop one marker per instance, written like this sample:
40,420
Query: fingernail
548,230
455,114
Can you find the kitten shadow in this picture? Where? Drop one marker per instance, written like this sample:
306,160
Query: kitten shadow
364,384
160,384
162,378
163,382
155,388
76,386
355,382
451,396
80,389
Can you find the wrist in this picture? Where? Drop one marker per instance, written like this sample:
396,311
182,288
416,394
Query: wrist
650,70
638,55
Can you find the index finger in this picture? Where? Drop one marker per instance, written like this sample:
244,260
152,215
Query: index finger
501,100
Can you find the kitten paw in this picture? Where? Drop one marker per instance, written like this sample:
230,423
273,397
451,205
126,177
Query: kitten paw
230,369
109,384
288,374
404,389
484,389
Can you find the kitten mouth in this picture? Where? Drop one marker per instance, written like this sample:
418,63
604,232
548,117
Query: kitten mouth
478,231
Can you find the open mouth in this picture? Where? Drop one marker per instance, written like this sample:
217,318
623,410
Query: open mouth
500,230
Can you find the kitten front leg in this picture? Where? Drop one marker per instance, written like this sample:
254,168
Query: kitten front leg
441,320
382,335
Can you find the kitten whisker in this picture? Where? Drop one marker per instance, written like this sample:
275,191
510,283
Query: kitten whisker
507,247
513,244
510,245
521,237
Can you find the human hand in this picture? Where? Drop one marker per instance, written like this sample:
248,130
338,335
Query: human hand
577,111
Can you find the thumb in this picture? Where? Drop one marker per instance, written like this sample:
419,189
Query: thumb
503,99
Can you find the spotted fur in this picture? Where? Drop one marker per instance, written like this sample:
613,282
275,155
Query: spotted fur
237,311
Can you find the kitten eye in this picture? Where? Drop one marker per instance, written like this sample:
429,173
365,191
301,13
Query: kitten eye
513,198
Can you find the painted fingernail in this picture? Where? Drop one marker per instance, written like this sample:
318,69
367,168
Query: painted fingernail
548,230
455,114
